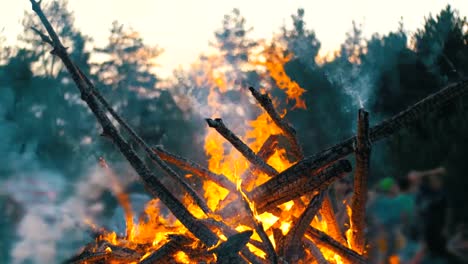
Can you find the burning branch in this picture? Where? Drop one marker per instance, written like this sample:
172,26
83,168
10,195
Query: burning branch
384,129
293,240
152,184
321,239
328,214
270,250
194,168
268,148
266,151
170,172
240,146
288,131
358,203
315,251
227,252
285,187
175,243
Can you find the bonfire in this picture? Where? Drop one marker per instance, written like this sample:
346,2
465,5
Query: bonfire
260,202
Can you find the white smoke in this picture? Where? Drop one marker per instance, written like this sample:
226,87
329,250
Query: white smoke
52,227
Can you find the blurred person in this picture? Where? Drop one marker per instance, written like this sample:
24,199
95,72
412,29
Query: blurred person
407,200
384,218
432,212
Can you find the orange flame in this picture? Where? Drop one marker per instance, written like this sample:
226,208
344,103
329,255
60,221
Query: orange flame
154,226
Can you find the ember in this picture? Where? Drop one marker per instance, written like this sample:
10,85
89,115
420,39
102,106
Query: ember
267,205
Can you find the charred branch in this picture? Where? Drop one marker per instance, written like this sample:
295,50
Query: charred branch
293,240
284,187
152,184
228,252
315,252
288,131
270,250
358,202
266,151
194,168
149,152
385,129
268,148
175,243
321,239
328,214
240,146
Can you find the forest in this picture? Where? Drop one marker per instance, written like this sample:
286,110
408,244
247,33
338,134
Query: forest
50,142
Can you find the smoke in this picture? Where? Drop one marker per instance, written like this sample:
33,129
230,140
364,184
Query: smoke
53,225
357,83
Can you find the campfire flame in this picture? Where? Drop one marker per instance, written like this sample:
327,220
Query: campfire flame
208,235
152,229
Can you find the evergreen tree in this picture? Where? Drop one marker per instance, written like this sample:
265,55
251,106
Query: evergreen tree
302,42
63,22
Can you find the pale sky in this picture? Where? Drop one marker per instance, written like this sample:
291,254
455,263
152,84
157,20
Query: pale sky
183,28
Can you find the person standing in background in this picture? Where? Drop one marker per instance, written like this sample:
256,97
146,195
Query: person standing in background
432,216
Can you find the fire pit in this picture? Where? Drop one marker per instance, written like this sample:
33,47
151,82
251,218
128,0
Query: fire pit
271,206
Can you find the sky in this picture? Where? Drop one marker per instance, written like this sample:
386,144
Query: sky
184,28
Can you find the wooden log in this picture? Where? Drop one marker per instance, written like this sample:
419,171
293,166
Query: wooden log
328,213
149,152
281,189
152,184
270,250
315,252
288,131
268,148
237,143
321,239
266,151
228,231
293,240
123,254
383,130
194,168
228,252
175,243
87,256
358,202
